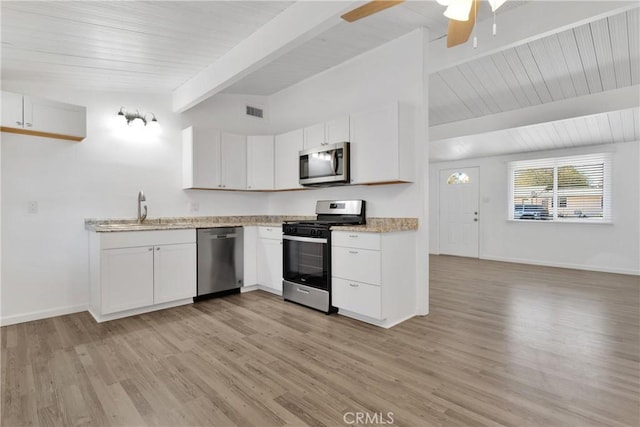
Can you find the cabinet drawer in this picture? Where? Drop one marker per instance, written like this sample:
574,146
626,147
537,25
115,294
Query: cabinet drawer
354,239
130,239
357,297
270,232
362,265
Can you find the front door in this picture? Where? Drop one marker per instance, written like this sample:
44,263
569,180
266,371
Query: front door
459,214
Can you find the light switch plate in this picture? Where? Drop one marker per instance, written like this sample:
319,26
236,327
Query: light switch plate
193,206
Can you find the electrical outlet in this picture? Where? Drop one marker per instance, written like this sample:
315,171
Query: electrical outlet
193,206
32,207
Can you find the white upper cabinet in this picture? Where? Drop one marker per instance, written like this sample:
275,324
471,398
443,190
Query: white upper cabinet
213,160
313,136
287,160
260,152
233,161
382,142
337,130
12,116
201,158
330,132
43,117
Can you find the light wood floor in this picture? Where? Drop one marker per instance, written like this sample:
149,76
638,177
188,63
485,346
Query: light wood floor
505,344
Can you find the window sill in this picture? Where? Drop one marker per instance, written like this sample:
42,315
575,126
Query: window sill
562,221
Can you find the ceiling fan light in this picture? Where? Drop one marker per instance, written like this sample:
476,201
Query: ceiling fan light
458,10
495,4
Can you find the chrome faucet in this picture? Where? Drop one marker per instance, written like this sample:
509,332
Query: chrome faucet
141,216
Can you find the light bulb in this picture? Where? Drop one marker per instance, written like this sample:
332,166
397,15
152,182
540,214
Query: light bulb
458,10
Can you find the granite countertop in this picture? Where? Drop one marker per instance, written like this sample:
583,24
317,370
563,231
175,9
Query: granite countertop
374,225
177,223
382,225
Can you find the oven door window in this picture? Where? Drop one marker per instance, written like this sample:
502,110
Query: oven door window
306,263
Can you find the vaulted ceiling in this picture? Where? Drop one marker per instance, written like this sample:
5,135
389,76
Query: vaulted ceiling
540,83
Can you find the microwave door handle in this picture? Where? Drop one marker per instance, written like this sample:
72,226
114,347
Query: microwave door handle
334,162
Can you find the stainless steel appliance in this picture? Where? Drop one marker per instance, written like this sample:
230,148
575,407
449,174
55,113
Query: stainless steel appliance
306,252
220,261
325,166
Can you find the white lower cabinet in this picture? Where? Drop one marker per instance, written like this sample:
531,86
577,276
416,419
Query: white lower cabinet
174,272
127,279
358,297
136,272
373,276
269,259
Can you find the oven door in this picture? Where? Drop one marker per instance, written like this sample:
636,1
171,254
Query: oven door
306,261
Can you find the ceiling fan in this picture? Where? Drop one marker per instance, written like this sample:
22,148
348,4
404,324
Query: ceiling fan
461,13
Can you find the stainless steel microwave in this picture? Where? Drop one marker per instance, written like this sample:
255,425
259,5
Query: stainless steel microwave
325,166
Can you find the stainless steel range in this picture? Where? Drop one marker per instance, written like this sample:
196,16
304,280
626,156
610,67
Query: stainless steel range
307,252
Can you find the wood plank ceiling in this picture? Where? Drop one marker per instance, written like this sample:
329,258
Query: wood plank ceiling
588,59
145,46
141,46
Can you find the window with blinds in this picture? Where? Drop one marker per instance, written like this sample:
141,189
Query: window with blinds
576,189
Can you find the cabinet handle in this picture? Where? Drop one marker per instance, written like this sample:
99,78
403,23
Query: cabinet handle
150,249
19,123
157,249
353,235
353,285
353,252
28,125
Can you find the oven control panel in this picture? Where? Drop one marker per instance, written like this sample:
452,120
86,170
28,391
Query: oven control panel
305,230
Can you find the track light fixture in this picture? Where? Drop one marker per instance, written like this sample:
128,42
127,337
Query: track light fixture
136,118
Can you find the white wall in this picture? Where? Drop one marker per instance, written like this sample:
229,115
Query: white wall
601,247
44,255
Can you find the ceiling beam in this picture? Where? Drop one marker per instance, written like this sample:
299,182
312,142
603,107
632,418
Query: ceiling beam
523,24
603,102
296,25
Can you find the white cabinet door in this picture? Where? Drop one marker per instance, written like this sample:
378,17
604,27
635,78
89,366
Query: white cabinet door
314,136
337,130
174,272
201,158
360,298
362,265
374,146
260,162
11,110
233,161
269,263
127,278
287,163
44,115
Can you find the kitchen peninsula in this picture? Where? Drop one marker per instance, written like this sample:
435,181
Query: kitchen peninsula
132,284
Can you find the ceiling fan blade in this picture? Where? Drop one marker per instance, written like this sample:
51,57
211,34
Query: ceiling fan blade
458,32
370,8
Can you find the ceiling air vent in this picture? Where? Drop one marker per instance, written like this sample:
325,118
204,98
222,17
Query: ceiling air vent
255,112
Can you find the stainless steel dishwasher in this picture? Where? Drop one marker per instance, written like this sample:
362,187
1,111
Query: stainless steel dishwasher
220,261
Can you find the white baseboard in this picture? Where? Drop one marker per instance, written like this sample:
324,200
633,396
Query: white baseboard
564,265
119,315
43,314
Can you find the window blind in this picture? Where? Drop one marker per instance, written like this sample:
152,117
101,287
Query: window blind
576,188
